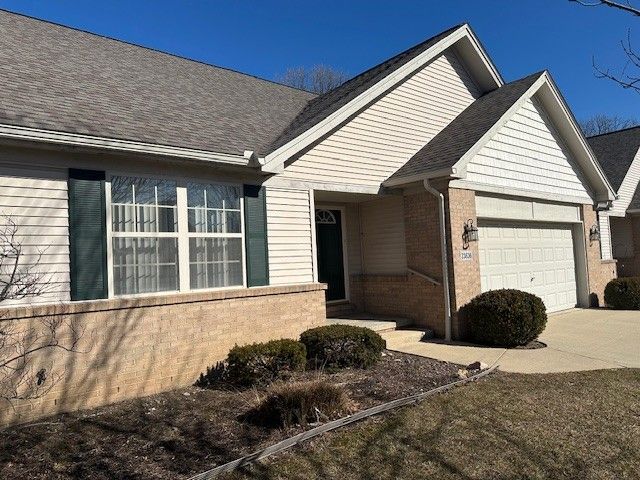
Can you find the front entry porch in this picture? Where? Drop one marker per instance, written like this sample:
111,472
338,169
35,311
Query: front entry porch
371,255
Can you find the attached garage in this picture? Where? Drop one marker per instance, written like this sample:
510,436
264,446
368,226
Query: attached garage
535,257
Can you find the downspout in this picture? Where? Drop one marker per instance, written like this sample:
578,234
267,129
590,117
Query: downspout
445,262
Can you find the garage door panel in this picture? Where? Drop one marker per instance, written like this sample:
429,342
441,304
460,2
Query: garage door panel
537,258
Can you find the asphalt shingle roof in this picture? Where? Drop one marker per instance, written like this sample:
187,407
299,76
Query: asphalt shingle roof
615,151
57,78
457,138
321,107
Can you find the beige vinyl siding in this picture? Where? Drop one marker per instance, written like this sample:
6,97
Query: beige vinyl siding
605,236
36,200
384,136
383,242
627,188
354,252
526,154
289,236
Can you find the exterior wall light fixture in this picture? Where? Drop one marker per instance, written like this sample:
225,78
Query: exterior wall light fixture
594,234
470,232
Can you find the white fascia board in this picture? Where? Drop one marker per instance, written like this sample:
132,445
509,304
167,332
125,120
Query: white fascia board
78,140
282,182
484,57
395,182
273,162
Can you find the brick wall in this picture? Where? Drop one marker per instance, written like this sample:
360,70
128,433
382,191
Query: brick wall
422,243
406,296
142,346
464,275
599,271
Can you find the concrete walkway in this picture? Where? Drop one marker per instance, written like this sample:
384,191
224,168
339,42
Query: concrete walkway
580,339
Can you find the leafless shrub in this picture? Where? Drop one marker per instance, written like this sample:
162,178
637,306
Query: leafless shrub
27,365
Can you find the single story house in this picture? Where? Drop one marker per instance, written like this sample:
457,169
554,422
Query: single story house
619,155
180,208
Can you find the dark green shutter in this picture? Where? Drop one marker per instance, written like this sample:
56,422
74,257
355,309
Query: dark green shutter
255,226
87,235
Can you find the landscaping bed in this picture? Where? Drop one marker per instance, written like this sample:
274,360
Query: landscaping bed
583,425
184,432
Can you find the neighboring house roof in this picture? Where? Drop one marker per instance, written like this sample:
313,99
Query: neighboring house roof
615,152
321,107
61,79
459,136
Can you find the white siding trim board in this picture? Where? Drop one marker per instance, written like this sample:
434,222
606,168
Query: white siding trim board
605,236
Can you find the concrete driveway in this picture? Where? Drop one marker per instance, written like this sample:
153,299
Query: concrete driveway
580,339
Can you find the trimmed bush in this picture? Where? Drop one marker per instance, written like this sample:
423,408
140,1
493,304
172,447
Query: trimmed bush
506,317
215,376
262,363
623,293
340,346
299,403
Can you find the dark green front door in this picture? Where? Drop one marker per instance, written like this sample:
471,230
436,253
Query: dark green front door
330,260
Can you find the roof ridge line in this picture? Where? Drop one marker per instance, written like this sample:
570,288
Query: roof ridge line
152,49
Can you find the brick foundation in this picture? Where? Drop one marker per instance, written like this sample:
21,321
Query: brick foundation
141,346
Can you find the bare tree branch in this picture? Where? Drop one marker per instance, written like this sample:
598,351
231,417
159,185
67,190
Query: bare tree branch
599,124
27,369
627,78
608,3
318,79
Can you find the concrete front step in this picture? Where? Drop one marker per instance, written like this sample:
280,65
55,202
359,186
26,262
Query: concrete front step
374,322
400,339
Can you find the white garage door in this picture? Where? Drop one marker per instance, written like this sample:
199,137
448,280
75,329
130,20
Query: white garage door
537,258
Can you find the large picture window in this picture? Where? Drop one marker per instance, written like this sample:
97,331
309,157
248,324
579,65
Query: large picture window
145,238
215,235
163,230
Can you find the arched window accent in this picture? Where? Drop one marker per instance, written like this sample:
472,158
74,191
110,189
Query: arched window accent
325,217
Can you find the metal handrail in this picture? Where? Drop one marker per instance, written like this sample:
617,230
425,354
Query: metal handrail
422,275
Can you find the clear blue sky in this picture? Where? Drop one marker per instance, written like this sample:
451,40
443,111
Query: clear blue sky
263,38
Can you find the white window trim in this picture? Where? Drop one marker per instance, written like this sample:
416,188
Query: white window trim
182,234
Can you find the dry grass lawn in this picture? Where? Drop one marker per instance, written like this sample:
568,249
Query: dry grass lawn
557,426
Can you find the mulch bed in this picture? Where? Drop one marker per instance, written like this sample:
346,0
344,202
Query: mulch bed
184,432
